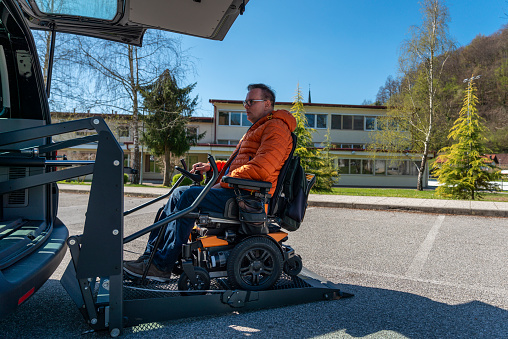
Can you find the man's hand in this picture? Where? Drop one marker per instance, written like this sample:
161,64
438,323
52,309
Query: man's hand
200,167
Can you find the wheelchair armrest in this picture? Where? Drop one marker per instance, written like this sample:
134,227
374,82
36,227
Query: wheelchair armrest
247,184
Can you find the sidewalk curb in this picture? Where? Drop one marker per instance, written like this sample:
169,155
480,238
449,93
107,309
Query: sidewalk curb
351,205
420,209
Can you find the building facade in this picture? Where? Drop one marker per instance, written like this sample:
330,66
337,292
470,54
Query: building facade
350,129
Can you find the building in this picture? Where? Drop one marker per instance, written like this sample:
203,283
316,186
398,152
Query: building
120,125
350,128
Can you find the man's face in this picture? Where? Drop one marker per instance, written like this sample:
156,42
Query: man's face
258,109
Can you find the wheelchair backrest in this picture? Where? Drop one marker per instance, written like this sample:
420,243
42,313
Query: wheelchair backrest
289,201
275,201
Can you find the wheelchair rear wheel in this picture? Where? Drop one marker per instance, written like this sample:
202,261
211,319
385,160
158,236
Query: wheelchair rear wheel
254,264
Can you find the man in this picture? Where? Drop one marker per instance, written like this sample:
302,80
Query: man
258,156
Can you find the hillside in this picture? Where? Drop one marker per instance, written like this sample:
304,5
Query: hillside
486,56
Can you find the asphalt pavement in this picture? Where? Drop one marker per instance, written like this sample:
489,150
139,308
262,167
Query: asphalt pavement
439,206
413,275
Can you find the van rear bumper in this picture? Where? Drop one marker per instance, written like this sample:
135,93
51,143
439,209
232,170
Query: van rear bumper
21,280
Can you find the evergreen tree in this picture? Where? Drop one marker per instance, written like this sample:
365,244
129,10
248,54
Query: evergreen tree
312,159
169,108
463,169
327,157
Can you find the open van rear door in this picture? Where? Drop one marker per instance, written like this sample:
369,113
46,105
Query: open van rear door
127,20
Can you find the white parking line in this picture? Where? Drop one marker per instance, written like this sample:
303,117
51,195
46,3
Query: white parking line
497,290
422,255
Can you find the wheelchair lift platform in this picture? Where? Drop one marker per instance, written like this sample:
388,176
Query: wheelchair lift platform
145,304
165,302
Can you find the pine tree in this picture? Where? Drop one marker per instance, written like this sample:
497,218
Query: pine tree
463,170
169,108
312,159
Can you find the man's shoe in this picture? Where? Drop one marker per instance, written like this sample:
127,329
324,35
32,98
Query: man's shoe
141,258
137,269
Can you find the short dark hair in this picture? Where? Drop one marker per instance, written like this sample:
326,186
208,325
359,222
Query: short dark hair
268,93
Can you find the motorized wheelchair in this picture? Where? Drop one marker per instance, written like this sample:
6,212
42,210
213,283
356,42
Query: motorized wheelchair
244,243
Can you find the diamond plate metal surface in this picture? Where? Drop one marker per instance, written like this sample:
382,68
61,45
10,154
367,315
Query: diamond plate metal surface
154,289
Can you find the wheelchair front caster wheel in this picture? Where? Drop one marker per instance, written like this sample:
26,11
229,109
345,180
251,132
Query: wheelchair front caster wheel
255,264
203,284
293,266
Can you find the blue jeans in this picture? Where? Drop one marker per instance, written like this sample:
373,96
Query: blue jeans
177,231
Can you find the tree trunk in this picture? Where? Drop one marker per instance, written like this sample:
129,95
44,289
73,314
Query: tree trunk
135,110
167,167
423,166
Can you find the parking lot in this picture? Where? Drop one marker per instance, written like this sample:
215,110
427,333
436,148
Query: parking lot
413,275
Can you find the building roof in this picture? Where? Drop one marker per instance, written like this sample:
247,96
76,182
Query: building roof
502,158
82,115
240,102
493,157
202,119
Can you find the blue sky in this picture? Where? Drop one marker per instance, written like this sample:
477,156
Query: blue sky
344,49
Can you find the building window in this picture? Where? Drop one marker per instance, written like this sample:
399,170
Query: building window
151,164
336,121
355,166
316,120
227,142
370,123
358,123
343,166
321,120
234,119
397,167
347,122
354,122
380,167
123,131
357,146
245,122
224,118
377,167
311,120
368,166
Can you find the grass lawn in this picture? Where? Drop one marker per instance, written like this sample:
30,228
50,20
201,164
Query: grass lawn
401,193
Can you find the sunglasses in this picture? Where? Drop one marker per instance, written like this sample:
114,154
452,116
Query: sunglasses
249,102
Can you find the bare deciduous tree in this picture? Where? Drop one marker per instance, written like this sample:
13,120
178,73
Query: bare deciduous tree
115,73
421,63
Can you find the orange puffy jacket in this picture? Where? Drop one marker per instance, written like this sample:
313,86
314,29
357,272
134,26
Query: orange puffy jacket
263,149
